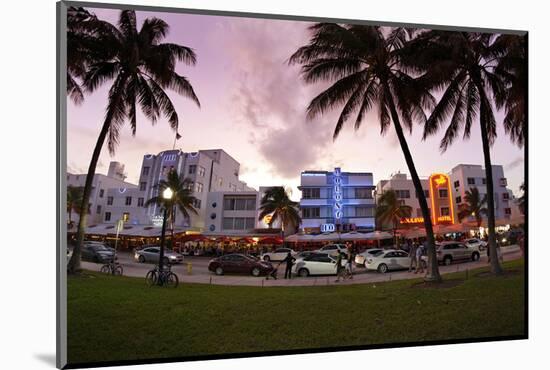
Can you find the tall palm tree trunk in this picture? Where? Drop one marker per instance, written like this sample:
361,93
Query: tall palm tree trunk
74,263
433,269
495,264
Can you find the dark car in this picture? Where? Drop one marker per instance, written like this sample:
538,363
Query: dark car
239,263
96,252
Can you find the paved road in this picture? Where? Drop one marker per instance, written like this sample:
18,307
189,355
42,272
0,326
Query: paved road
200,273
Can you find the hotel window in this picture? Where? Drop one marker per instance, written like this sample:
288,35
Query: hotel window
251,204
189,185
249,223
145,171
199,187
240,204
403,194
363,212
107,216
445,211
202,171
109,201
140,202
503,181
443,193
507,211
101,192
505,196
227,223
311,212
458,200
192,169
239,223
484,181
125,217
197,203
457,184
142,186
229,204
128,201
363,193
311,193
471,181
98,209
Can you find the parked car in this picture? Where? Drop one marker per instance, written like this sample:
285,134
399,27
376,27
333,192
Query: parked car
361,258
386,260
97,252
317,264
304,254
448,252
152,254
333,249
239,263
278,255
476,243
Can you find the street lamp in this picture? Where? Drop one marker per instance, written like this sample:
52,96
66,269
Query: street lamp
166,195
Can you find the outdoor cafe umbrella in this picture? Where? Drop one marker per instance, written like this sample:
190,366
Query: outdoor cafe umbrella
378,235
327,237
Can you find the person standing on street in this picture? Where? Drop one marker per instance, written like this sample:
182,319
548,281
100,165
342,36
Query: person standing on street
419,264
412,256
289,262
339,267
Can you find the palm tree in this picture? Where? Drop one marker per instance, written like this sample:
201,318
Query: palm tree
390,209
142,69
474,206
74,201
277,203
364,65
182,198
462,65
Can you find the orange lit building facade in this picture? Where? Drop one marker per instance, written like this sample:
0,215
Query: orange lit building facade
438,192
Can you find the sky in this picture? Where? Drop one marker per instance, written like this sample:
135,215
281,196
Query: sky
253,106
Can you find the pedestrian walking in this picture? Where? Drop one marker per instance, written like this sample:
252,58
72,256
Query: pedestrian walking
419,264
273,272
412,256
349,264
289,262
339,267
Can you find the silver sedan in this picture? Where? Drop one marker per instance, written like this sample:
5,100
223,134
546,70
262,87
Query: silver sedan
152,253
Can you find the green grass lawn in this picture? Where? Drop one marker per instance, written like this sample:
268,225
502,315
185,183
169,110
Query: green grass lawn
120,318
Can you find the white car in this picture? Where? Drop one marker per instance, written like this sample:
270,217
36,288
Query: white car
333,249
480,245
361,258
387,260
317,264
279,254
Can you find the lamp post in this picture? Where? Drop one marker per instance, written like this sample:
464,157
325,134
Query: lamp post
166,195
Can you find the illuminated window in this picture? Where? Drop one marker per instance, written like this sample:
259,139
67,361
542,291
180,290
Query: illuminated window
125,216
202,171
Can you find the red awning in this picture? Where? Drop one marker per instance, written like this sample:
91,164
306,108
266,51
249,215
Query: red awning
271,240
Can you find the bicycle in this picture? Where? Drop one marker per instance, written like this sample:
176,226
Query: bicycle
113,268
164,277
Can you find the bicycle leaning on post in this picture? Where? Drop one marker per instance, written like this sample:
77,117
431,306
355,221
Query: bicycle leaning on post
161,278
112,267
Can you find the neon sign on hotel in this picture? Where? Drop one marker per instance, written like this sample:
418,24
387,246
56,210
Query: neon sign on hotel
337,194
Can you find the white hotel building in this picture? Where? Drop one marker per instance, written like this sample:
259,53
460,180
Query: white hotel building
336,200
208,170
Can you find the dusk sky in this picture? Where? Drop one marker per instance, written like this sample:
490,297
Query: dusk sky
253,106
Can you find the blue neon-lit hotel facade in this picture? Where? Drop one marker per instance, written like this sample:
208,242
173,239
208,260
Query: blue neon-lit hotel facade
337,200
